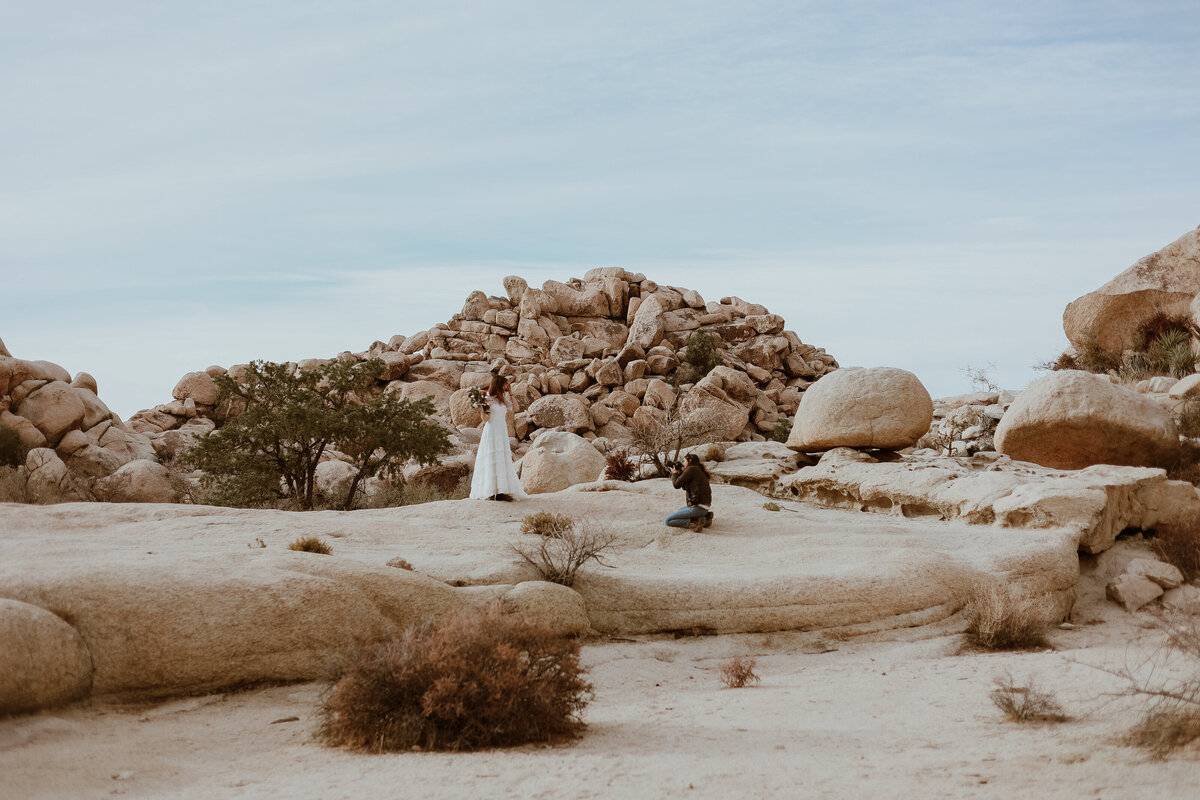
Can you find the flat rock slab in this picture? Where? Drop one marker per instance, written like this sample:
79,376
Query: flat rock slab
170,596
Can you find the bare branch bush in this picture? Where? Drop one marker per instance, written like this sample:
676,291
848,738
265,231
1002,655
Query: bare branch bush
1170,679
1025,703
558,559
660,441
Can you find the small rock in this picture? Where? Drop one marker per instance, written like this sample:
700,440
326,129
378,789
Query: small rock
1133,591
1165,575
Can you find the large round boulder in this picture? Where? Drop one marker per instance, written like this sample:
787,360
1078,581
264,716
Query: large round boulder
877,407
1072,419
1163,282
140,481
560,411
558,459
199,386
54,409
43,660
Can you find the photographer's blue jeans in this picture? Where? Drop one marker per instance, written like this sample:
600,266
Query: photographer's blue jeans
683,517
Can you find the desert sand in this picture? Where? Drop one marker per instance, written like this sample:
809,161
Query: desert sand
894,715
894,708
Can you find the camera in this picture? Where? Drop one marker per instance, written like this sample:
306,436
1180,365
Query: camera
674,466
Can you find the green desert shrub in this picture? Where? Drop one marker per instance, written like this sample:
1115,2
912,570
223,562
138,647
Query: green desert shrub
469,681
781,431
12,449
310,544
701,353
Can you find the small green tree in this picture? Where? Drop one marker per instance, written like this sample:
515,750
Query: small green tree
12,449
270,451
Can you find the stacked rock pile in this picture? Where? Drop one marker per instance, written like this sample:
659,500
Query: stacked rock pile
73,439
588,356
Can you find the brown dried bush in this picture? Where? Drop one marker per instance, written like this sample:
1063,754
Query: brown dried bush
310,544
472,680
619,465
400,563
1179,544
738,672
1000,618
1025,703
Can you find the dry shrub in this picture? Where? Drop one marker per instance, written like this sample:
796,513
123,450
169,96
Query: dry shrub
619,465
770,506
544,523
470,681
1163,730
1179,544
558,559
1187,417
738,672
12,449
1025,703
310,544
400,563
12,485
1001,618
1090,356
660,441
1161,326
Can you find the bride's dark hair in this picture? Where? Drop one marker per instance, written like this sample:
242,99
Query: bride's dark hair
499,382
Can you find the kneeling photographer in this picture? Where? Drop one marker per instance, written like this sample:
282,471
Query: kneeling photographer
692,477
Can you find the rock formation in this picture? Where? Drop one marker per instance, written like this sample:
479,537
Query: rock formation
1167,281
881,407
72,437
588,357
1071,419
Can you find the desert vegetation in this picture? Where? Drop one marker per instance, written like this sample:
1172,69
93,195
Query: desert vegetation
738,672
1002,618
1025,703
288,419
661,441
1162,346
310,544
1179,544
700,355
469,681
563,547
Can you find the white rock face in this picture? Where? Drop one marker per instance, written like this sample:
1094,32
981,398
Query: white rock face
879,407
139,481
1096,504
43,660
558,459
1071,419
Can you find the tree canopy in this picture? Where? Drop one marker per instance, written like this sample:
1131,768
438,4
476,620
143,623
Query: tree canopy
283,420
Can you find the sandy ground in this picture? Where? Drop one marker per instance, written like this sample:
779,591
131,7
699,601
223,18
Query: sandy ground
904,714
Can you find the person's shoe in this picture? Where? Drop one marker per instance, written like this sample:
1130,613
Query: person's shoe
708,519
505,497
697,524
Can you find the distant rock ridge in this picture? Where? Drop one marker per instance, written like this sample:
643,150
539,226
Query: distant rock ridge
589,356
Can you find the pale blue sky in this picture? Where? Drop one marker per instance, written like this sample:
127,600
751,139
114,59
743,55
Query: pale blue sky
923,185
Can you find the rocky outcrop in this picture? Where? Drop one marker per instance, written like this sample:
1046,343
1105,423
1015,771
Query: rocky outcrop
880,407
1097,503
1164,282
50,410
585,356
1071,419
139,481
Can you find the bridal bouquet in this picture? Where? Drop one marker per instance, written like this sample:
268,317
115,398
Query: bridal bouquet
478,397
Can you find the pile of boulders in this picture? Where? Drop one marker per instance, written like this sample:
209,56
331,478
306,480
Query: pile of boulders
74,442
589,357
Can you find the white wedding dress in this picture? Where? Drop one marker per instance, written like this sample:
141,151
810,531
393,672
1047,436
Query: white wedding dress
494,473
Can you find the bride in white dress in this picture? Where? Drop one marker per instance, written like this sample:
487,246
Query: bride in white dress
495,478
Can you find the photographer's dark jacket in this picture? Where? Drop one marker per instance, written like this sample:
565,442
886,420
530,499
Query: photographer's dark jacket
694,481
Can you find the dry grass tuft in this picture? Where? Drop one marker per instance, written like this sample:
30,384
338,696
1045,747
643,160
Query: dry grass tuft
310,544
1165,729
738,672
544,523
470,681
1025,703
1001,618
400,563
772,507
